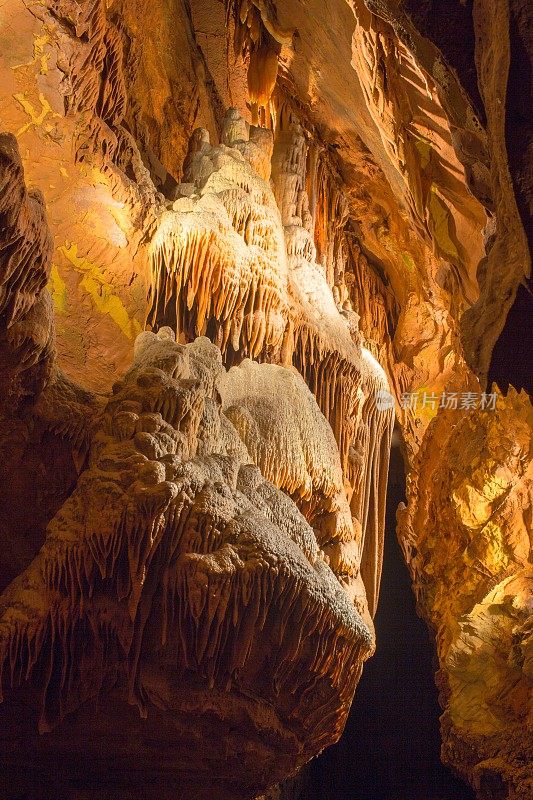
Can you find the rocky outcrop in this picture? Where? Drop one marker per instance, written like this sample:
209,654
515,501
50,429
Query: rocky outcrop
470,528
39,409
25,312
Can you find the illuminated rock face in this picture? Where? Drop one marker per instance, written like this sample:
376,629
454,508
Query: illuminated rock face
237,260
178,577
197,527
470,527
205,567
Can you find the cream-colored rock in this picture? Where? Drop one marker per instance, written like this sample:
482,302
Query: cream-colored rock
190,570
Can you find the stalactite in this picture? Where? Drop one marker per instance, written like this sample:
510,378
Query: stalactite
323,349
219,255
157,523
330,221
220,275
370,498
258,38
171,531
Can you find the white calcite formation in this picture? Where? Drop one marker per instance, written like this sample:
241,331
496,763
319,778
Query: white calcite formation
220,551
176,566
235,258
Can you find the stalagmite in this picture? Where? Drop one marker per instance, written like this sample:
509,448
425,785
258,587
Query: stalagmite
202,493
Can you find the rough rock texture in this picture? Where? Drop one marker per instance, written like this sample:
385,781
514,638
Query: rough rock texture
226,262
140,587
340,191
471,528
38,468
174,576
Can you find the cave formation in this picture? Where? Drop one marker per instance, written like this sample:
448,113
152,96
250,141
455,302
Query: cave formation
240,241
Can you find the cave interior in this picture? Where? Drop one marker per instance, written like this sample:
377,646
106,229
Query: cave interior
266,431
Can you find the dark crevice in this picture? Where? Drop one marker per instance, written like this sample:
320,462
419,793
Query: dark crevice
518,120
390,749
512,356
449,25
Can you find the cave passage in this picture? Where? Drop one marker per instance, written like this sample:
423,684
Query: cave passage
391,744
512,356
